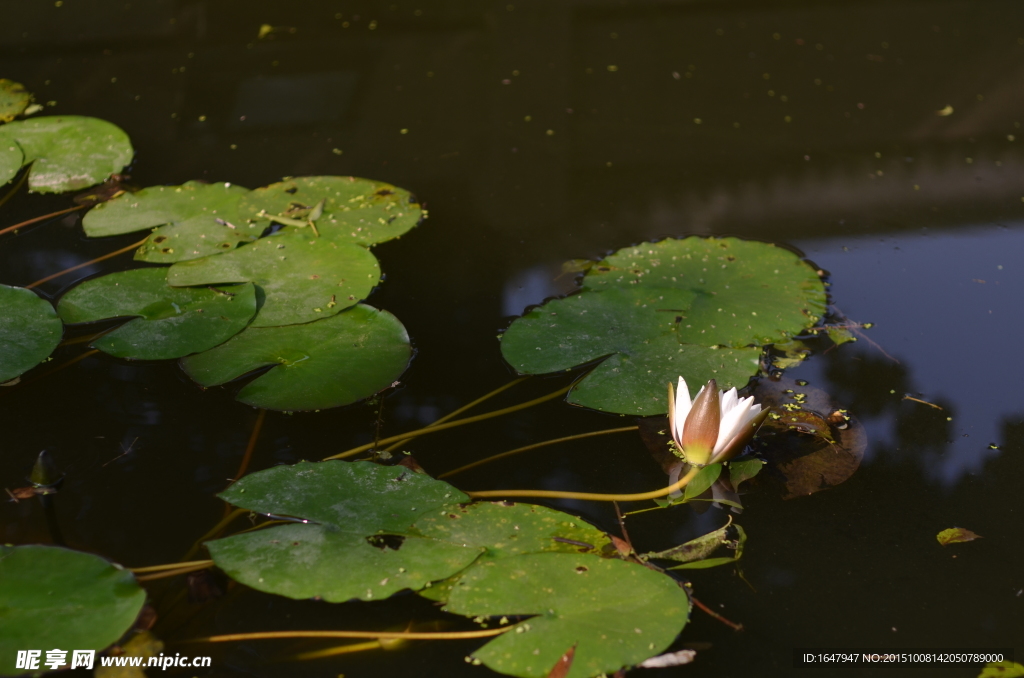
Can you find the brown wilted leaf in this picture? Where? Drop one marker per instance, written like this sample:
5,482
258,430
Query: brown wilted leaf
562,666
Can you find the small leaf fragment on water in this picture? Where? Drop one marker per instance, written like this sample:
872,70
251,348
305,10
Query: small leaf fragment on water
956,535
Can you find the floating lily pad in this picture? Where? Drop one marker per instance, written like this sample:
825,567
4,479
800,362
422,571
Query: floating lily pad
29,330
328,363
505,529
355,210
171,322
338,555
301,278
11,159
68,152
53,597
194,219
614,612
697,307
14,99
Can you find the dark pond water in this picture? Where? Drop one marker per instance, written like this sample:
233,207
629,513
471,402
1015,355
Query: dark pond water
882,139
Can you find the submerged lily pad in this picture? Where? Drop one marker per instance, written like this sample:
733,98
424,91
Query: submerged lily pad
354,210
338,556
328,363
29,330
14,99
300,277
194,219
172,322
697,307
615,613
68,152
53,597
719,547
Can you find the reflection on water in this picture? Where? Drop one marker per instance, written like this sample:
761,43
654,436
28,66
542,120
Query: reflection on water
884,139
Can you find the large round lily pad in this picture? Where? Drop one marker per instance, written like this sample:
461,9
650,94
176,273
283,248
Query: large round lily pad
68,152
171,322
14,99
354,210
328,363
29,330
614,613
336,555
53,597
698,307
301,277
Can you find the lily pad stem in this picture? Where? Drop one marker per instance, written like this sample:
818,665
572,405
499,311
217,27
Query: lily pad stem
408,635
452,424
174,573
459,411
45,216
88,263
591,496
526,448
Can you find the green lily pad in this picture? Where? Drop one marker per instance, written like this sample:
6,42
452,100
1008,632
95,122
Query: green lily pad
29,330
12,158
14,99
172,322
194,219
698,307
504,529
615,613
338,556
68,152
53,597
328,363
355,210
301,277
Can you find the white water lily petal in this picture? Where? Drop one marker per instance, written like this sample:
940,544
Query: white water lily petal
682,406
731,423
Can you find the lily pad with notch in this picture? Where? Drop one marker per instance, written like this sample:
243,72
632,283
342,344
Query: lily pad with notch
300,278
328,363
29,330
54,597
68,152
346,209
699,307
356,541
169,322
616,613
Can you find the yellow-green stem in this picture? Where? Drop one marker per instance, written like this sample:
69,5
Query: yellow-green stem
590,496
173,573
527,448
452,424
459,411
409,635
87,263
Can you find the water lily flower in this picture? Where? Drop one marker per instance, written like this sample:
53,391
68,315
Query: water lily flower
715,427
